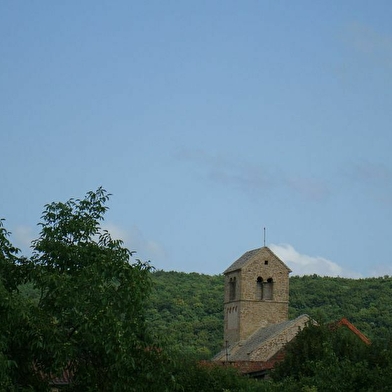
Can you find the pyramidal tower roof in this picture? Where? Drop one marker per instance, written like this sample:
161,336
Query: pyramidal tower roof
254,255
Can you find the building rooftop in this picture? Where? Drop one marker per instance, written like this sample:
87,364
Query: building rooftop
242,350
259,253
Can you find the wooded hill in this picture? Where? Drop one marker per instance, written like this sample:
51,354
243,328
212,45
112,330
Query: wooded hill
187,308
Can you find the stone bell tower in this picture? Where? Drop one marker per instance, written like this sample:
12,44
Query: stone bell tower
256,294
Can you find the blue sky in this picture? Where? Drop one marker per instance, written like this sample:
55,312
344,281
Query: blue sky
207,121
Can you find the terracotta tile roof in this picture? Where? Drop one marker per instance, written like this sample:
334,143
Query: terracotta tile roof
352,328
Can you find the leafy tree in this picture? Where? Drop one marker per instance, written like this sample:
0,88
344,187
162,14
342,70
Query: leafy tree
18,332
90,311
326,358
7,305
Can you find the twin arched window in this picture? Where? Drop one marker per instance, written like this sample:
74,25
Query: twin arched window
264,288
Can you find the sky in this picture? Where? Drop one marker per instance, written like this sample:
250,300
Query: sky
207,121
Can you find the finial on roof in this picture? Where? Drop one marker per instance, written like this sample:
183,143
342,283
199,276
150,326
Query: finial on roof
264,236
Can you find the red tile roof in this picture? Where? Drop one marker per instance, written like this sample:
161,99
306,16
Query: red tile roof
351,327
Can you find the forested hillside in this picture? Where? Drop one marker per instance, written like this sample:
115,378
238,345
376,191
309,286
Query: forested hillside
365,302
187,309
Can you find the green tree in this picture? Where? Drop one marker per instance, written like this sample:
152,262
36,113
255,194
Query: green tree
18,327
7,305
91,302
327,358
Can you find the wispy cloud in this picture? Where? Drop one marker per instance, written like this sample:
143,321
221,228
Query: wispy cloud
23,236
380,270
375,179
374,172
228,171
302,264
134,240
253,179
309,188
365,40
367,52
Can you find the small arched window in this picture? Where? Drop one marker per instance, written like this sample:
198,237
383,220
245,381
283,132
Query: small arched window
264,289
259,288
232,288
268,289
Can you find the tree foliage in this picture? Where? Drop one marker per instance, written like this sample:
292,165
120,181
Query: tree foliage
365,302
88,318
329,358
321,359
9,307
187,310
188,307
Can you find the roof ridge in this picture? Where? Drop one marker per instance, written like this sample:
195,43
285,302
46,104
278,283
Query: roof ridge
247,256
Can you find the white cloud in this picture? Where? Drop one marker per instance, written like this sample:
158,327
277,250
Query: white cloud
377,173
311,189
253,179
368,41
134,240
368,53
375,180
23,235
229,171
380,270
302,264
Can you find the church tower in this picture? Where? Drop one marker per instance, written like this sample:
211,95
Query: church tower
256,294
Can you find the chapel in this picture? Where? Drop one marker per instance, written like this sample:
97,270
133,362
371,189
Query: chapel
256,300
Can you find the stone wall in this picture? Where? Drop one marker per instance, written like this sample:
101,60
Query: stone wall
257,314
274,270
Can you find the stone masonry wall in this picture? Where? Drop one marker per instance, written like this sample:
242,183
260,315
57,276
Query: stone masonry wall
275,269
257,314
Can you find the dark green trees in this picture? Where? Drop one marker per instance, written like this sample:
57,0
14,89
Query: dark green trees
9,307
188,310
327,358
